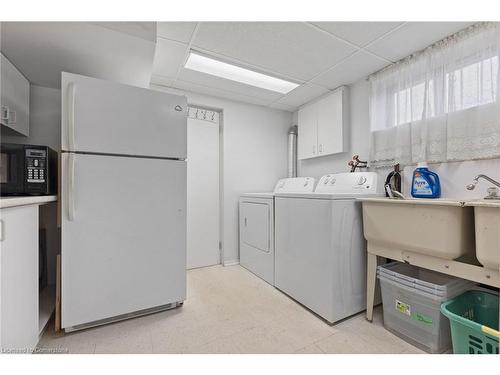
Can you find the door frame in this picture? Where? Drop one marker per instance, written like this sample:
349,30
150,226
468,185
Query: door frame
220,111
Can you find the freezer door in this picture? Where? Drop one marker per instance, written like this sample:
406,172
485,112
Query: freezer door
123,235
106,117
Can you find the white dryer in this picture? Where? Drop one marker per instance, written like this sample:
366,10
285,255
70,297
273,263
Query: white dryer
257,226
320,258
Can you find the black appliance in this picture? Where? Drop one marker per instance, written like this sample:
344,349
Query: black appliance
393,181
27,170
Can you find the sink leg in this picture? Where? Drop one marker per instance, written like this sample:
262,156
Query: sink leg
371,279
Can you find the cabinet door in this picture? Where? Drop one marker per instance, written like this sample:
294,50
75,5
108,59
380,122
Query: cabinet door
19,278
307,139
15,98
331,121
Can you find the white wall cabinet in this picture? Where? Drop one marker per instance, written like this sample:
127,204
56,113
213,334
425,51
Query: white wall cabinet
308,132
15,98
19,326
323,126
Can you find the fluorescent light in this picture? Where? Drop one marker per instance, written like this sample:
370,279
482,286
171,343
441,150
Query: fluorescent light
221,69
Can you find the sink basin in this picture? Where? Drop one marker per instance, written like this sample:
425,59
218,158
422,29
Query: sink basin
435,227
487,220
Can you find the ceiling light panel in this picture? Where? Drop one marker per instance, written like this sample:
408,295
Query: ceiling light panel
221,69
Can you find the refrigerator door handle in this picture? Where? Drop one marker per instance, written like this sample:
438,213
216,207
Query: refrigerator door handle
71,116
71,187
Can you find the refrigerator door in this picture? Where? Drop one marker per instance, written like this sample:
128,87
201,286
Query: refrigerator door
123,235
106,117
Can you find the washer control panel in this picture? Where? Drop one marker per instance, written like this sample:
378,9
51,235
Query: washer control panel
348,183
295,185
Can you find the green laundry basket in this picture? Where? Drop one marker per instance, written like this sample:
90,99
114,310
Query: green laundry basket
473,319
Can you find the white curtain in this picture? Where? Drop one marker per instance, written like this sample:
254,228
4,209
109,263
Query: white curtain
441,104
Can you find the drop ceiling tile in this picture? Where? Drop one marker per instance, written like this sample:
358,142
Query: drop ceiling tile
354,68
283,107
162,81
204,79
413,37
144,30
179,31
359,33
169,56
194,87
292,49
42,50
302,95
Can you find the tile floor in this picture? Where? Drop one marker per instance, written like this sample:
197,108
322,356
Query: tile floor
229,310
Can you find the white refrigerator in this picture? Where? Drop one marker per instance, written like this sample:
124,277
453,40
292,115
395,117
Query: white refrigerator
123,201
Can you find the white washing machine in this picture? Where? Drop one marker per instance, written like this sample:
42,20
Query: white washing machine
257,226
320,258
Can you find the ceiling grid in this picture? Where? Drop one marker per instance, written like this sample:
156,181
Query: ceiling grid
319,56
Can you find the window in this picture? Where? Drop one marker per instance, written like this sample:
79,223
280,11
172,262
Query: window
413,103
473,85
441,104
470,86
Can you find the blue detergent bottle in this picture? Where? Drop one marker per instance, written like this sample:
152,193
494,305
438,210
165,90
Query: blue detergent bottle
425,183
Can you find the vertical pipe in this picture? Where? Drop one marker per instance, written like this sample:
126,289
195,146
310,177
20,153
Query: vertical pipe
292,151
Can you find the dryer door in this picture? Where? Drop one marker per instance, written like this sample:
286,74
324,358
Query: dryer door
255,223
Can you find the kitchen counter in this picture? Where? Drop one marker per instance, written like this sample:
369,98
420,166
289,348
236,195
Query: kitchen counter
417,201
6,202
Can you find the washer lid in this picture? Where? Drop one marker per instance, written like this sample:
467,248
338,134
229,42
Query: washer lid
258,195
329,196
286,185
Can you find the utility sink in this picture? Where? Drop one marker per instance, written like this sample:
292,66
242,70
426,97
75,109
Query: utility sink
437,227
487,220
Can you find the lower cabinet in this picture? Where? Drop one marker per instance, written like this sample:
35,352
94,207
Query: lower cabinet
19,326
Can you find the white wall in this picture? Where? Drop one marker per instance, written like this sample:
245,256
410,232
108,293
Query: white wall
453,176
45,119
254,155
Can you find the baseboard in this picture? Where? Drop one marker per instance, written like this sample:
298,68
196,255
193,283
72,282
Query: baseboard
228,263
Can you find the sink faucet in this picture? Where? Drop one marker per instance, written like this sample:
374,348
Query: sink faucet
492,191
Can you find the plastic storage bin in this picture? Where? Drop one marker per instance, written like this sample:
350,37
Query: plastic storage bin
412,298
474,322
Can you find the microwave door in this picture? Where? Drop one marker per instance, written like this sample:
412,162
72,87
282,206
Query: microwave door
12,175
4,168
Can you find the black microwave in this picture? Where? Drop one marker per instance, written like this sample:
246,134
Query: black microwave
27,170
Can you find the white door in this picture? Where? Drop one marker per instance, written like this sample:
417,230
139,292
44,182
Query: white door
203,194
123,235
106,117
